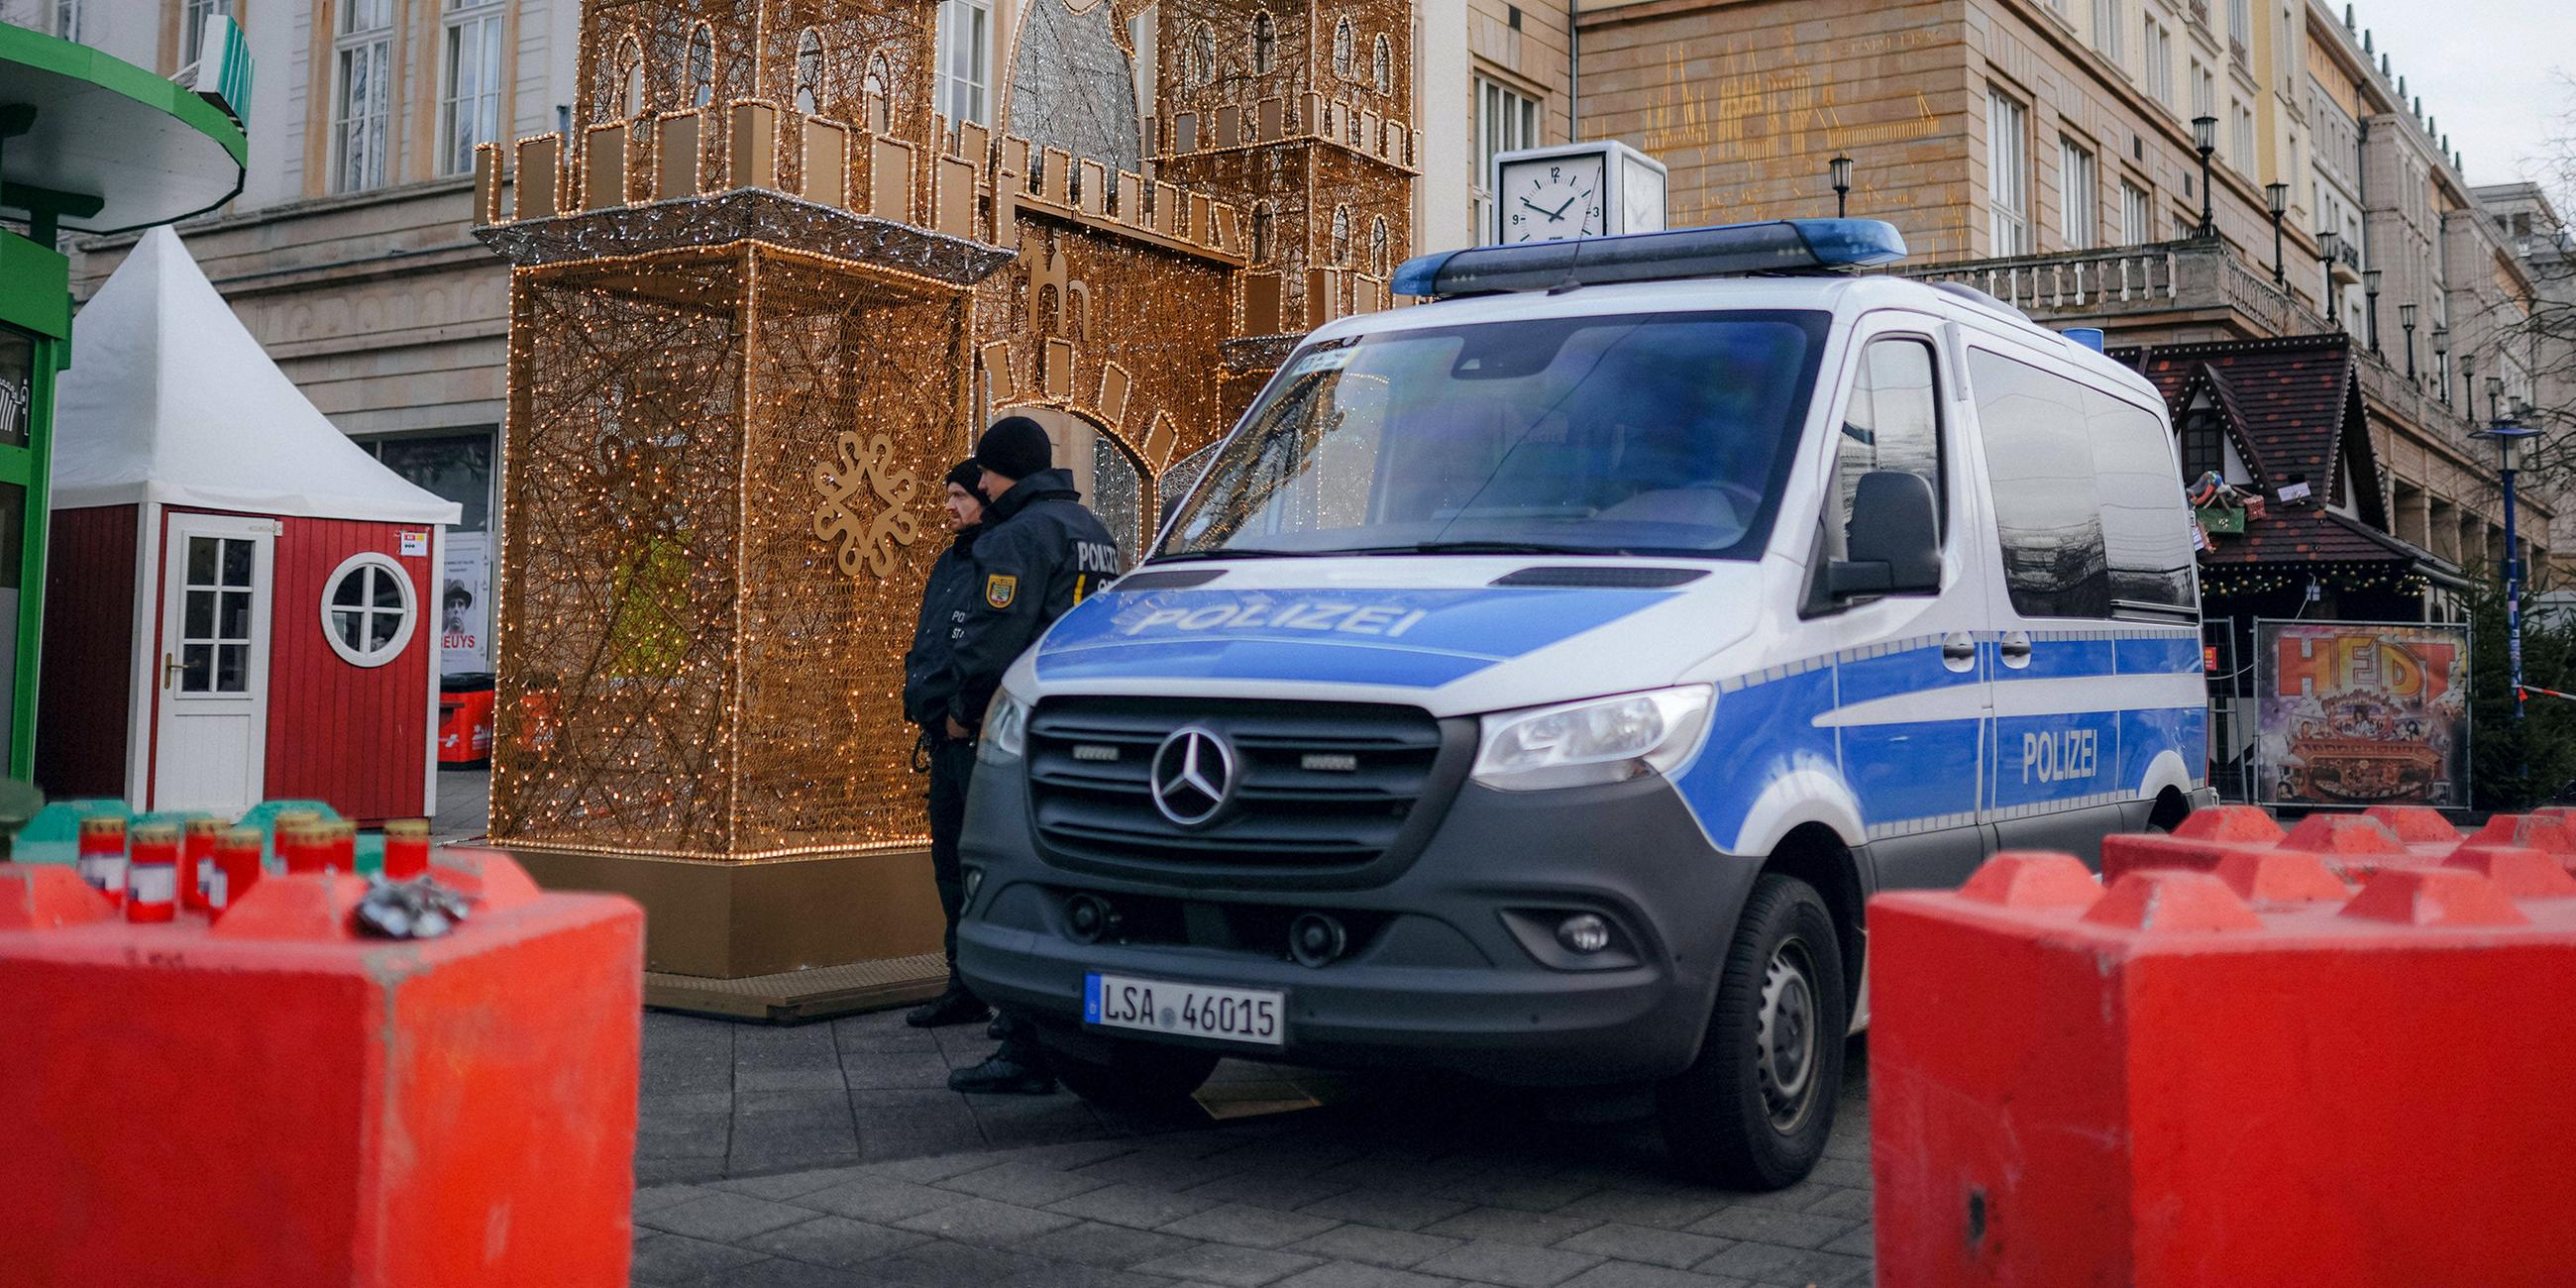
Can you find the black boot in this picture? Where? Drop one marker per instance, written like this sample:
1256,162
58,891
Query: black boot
1018,1069
955,1006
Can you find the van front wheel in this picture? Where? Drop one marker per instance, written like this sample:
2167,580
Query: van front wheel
1753,1111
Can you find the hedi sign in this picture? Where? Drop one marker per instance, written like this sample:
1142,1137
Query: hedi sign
2411,670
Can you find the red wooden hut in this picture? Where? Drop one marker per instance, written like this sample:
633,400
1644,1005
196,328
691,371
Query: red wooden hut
240,601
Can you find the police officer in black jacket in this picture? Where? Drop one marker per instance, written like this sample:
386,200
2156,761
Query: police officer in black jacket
1040,553
927,686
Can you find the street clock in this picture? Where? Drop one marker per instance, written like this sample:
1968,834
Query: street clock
1593,189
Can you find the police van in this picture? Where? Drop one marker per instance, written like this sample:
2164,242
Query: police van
1537,682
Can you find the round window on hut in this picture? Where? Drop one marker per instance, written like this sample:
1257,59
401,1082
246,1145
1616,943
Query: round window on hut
368,609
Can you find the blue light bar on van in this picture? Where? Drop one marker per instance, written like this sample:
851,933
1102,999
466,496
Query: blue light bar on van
1783,245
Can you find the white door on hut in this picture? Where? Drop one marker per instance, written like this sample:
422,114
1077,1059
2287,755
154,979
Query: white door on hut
211,738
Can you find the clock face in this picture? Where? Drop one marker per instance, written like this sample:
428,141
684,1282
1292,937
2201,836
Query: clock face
1641,197
1553,198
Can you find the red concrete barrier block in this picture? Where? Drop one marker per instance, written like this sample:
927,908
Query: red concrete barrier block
2175,1086
2527,831
2416,824
275,1100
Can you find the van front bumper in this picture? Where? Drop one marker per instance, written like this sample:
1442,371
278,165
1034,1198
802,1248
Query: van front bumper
1454,964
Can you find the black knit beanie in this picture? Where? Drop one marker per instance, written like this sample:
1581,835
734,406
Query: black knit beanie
1015,448
970,476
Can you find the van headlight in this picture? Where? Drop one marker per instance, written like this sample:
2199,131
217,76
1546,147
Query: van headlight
1603,740
1006,730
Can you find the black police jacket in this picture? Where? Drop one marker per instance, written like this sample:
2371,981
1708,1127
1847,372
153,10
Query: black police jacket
1041,552
926,674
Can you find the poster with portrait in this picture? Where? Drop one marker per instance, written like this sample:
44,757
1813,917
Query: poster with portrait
465,604
2361,713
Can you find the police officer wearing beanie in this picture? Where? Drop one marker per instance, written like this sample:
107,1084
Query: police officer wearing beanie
927,687
1040,553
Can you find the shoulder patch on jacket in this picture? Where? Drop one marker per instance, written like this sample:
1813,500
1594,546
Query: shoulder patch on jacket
1000,589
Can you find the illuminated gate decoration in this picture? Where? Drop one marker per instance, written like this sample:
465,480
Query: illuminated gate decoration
763,297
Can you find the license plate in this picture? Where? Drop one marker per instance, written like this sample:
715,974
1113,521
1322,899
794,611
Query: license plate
1252,1015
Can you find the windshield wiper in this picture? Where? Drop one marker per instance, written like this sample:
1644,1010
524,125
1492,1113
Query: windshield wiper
1184,556
1481,548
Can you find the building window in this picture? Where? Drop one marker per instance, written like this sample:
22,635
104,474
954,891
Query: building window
469,100
2202,452
2133,214
2079,203
2241,138
67,14
364,52
2007,174
2159,55
192,24
1263,215
2204,91
1341,236
2240,27
2106,28
702,66
1381,244
1265,43
630,76
809,72
368,609
1345,48
964,32
1505,121
1203,55
1382,64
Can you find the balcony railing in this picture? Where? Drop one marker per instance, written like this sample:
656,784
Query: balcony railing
2120,286
2079,282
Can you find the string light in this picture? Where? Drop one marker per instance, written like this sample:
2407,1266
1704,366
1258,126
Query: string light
687,670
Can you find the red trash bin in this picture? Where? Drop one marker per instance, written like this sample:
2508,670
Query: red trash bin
465,702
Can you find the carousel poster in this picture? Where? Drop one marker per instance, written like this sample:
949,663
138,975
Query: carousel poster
2362,713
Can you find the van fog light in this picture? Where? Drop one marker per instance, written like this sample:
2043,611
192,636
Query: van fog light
1088,918
1315,939
1584,932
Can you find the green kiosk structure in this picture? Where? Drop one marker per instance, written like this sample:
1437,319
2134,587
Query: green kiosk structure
88,144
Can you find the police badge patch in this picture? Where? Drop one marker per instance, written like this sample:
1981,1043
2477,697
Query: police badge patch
1000,590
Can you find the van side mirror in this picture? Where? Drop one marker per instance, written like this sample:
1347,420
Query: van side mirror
1894,540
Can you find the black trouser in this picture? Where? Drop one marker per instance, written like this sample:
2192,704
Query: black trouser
952,764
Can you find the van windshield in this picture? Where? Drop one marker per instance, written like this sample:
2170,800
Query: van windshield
1652,433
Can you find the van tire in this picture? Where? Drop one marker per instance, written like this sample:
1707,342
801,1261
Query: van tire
1753,1110
1137,1075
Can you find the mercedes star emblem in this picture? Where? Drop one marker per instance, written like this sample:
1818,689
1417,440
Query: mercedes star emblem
1192,776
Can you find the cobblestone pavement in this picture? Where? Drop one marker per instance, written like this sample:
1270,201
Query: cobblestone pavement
832,1154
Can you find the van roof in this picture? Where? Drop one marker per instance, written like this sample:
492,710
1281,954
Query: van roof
1843,294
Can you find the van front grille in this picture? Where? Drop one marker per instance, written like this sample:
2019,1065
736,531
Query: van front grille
1322,789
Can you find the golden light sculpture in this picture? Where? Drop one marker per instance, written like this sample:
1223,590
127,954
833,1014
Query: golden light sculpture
763,296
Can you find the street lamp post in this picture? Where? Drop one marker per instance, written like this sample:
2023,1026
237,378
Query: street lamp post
2469,385
2406,322
1840,168
2370,288
2442,361
2204,138
2329,245
2509,435
2277,196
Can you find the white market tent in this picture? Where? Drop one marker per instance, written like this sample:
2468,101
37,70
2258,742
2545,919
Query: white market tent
170,401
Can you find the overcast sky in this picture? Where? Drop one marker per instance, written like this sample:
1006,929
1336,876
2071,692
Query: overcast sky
2493,74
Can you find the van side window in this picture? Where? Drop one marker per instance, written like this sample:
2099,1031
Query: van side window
2087,494
1893,422
2047,513
2143,529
